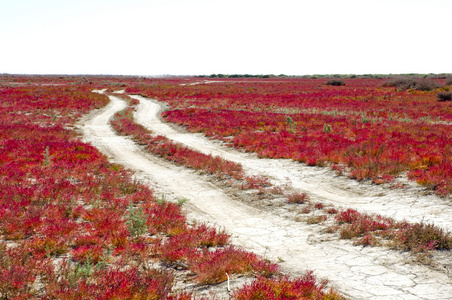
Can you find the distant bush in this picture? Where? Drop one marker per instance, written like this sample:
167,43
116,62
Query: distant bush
403,83
335,82
425,84
448,80
444,96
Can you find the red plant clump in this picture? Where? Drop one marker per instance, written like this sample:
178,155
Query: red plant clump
422,237
182,245
298,198
416,237
281,288
92,253
362,129
18,271
358,224
119,282
211,266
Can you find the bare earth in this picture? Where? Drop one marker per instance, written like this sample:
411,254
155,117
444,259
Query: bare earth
357,272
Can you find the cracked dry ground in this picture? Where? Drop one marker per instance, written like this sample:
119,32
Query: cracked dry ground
269,229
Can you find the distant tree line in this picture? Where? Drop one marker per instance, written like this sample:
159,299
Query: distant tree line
377,76
241,76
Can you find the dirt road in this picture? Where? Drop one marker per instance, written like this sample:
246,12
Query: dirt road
410,204
359,273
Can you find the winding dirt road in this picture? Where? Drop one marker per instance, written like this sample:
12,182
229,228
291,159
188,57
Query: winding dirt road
410,204
359,273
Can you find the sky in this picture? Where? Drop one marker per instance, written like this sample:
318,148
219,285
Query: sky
202,37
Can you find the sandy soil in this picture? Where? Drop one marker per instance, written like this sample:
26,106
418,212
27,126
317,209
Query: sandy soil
358,272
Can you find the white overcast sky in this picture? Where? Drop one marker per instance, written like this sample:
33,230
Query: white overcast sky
194,37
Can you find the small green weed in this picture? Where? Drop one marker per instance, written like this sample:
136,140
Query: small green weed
136,221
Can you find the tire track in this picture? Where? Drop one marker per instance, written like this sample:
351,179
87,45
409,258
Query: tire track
359,273
322,184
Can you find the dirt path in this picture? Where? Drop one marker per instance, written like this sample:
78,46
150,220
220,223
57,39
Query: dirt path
359,273
322,184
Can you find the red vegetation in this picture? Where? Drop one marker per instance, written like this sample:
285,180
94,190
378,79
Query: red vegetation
74,226
212,267
363,129
417,237
282,288
351,224
298,198
360,224
124,124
